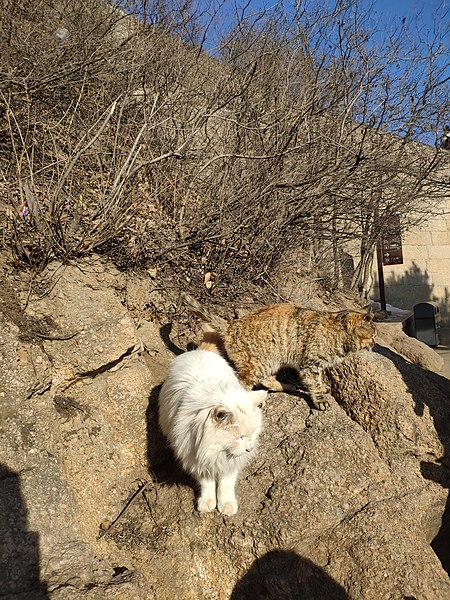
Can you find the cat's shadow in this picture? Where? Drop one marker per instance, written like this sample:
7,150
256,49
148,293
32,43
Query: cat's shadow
161,461
291,376
162,464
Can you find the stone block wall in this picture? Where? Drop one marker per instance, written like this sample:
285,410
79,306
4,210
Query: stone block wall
425,273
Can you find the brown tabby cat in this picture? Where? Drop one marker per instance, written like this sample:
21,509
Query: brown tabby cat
286,335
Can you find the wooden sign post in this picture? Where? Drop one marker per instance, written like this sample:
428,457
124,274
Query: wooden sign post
389,252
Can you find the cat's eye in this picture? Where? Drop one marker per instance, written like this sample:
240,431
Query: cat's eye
221,415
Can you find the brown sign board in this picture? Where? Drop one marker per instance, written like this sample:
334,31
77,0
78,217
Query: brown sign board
391,243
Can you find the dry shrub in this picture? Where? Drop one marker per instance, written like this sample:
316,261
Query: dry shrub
126,138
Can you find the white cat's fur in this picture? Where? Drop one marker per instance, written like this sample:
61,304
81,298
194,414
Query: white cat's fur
212,423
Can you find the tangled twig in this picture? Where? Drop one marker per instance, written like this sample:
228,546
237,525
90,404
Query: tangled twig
143,488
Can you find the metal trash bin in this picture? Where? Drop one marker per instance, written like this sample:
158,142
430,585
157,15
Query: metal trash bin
427,323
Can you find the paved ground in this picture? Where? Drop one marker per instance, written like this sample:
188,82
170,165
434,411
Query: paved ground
444,350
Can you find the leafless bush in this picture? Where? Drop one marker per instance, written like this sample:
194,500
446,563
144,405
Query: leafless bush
208,154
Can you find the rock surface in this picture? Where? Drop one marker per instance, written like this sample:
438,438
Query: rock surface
337,504
392,336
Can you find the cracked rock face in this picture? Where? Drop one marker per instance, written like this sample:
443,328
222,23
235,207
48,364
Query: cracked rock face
92,330
337,504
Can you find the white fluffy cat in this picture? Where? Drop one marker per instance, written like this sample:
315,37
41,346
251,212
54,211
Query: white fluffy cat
212,424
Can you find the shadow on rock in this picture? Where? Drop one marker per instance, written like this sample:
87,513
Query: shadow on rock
164,332
161,460
284,575
439,407
19,548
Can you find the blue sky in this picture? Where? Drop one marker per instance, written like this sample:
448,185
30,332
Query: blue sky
428,17
390,11
385,14
399,9
415,12
423,60
420,22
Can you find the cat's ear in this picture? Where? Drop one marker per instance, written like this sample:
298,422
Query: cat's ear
353,319
223,415
368,316
258,397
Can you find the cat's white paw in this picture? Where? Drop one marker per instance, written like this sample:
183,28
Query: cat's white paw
206,504
229,507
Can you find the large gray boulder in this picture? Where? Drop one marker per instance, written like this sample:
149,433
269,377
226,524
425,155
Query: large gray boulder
337,504
391,335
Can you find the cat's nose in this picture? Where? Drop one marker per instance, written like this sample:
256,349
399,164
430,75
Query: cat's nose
249,448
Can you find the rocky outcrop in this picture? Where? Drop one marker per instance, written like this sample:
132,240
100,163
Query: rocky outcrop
391,335
337,504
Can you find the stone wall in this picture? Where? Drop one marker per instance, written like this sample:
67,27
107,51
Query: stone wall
425,273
